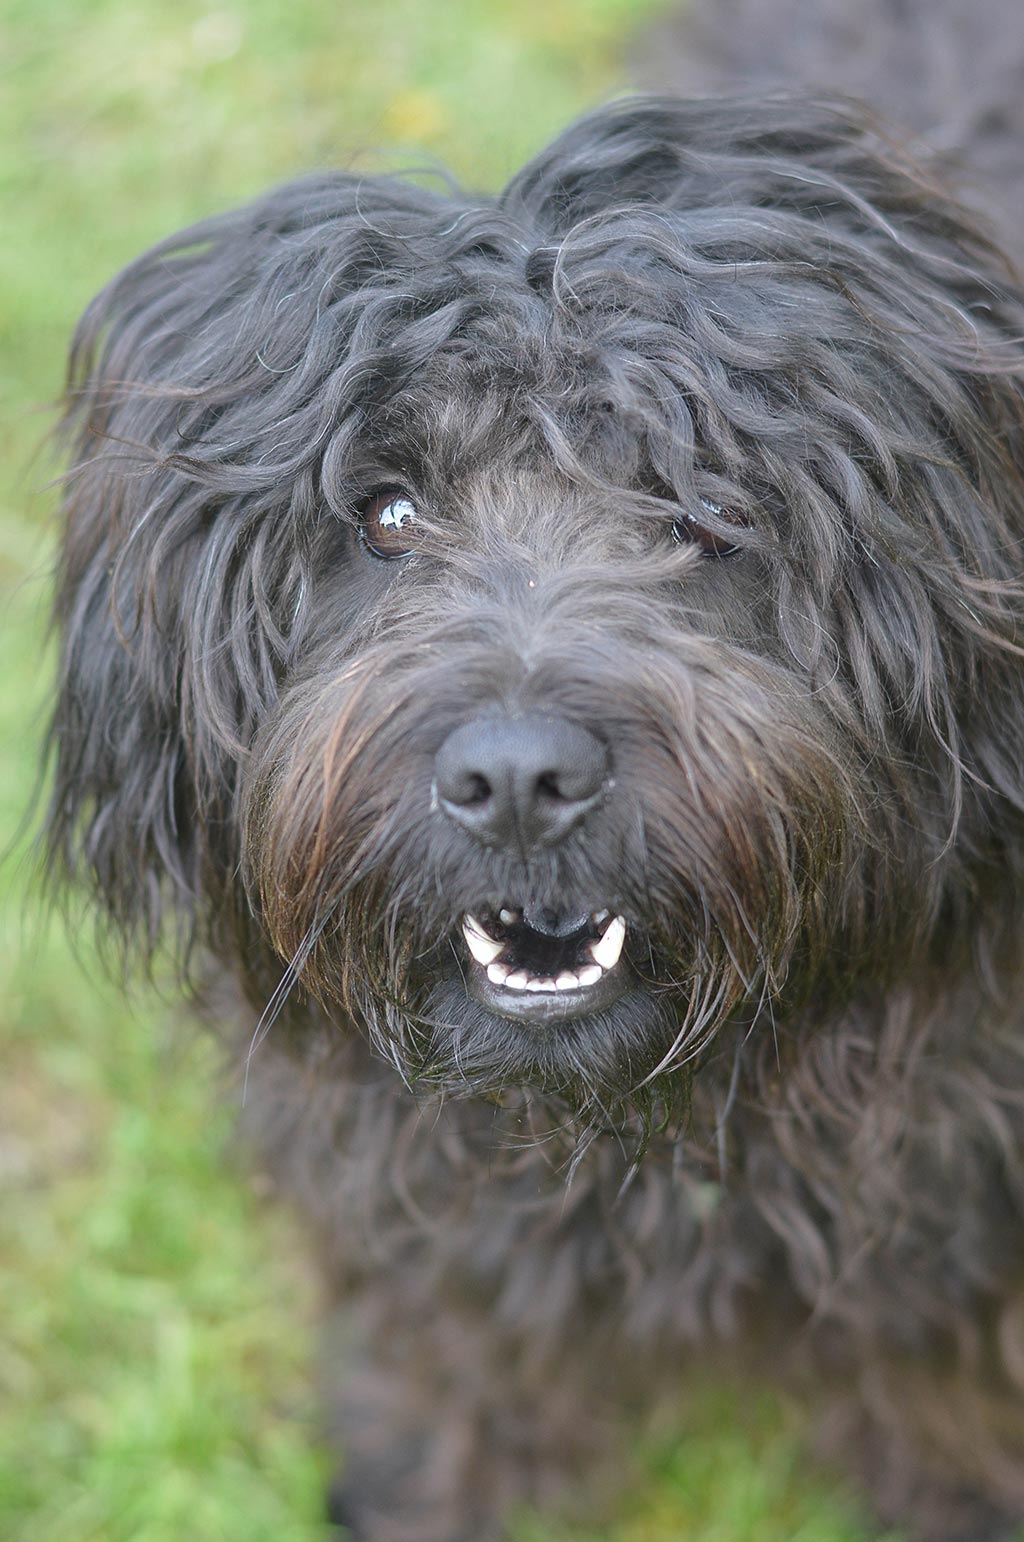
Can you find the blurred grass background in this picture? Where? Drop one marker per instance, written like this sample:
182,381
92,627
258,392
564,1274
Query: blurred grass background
156,1338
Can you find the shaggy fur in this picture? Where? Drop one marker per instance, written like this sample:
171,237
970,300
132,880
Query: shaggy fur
714,425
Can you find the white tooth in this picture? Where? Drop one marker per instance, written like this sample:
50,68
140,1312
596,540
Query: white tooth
483,948
507,916
606,951
536,985
497,973
599,917
518,980
590,974
567,982
547,985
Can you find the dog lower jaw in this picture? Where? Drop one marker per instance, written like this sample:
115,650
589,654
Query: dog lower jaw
548,1004
589,1058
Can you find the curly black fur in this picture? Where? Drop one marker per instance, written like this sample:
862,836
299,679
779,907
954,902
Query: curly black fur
759,312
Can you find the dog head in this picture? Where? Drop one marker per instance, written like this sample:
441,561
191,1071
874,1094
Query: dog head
553,626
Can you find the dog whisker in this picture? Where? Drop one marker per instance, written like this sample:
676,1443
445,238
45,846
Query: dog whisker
278,1001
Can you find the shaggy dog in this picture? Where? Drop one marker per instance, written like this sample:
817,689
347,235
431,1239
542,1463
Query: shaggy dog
560,657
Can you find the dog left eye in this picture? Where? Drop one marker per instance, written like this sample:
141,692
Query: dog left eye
388,521
688,530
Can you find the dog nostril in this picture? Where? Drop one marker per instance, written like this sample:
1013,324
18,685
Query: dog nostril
460,785
477,789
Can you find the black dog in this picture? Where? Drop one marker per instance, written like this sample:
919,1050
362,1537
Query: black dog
580,635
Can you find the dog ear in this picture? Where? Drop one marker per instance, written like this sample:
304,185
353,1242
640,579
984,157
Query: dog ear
207,384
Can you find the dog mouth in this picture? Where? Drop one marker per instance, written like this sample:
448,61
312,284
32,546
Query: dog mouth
540,965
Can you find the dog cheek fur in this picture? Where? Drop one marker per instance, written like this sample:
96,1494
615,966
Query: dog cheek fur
829,351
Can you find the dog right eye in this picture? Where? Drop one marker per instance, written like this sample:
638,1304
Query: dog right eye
688,529
387,523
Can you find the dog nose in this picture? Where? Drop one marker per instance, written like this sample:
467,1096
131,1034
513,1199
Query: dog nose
523,781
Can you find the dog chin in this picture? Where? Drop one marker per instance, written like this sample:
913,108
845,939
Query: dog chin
574,1043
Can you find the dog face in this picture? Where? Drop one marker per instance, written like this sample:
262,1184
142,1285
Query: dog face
557,625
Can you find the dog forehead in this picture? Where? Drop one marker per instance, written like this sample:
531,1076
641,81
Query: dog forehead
540,412
619,350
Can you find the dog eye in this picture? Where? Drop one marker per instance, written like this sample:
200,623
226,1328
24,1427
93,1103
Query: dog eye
689,531
388,523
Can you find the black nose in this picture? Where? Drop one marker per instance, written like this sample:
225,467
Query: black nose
520,781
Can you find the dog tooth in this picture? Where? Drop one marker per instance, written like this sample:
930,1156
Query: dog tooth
567,982
606,951
497,973
590,974
507,917
547,985
535,985
483,948
518,981
599,917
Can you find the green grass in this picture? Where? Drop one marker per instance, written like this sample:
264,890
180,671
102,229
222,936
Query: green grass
157,1312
